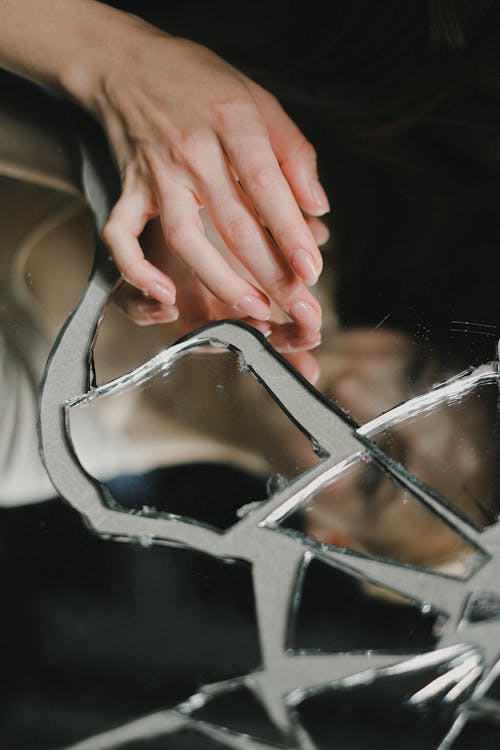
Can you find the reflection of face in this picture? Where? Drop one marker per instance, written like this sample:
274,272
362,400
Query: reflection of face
365,510
368,372
449,448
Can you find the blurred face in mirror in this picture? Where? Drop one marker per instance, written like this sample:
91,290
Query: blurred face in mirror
451,448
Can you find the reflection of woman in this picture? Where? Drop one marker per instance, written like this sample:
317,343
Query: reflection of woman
187,129
453,448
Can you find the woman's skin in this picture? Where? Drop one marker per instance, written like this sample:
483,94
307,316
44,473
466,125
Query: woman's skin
451,448
186,130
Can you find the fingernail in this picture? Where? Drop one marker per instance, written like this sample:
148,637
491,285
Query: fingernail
304,265
161,293
254,307
319,197
165,315
142,308
305,314
305,343
322,234
314,374
264,327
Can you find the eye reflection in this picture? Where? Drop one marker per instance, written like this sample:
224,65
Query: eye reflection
370,480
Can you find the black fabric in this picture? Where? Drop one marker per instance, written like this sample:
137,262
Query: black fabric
95,633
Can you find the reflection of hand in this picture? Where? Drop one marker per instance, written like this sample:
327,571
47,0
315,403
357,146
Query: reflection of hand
197,306
189,130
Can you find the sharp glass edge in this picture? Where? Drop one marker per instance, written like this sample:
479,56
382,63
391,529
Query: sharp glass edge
62,386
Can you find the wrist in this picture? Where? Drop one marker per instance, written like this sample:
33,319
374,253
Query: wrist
104,45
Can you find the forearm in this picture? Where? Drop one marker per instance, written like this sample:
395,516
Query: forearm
63,44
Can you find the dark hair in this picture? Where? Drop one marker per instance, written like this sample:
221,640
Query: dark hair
383,66
449,21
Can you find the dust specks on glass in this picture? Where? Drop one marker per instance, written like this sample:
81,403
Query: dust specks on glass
301,566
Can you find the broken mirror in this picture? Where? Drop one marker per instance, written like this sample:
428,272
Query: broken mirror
232,537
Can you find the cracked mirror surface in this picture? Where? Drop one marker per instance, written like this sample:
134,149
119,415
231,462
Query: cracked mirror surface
217,534
204,405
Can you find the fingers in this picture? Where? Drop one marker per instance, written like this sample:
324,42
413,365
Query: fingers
252,158
286,339
319,229
120,233
297,350
296,156
307,364
247,239
165,117
255,212
185,237
144,311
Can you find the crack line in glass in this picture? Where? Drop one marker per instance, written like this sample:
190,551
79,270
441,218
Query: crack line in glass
285,680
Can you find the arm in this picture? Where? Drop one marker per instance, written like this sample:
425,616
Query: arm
186,130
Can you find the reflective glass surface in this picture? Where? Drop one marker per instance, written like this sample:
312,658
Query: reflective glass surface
212,538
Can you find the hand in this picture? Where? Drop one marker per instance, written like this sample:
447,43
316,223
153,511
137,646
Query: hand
196,306
188,130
